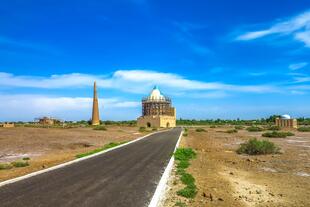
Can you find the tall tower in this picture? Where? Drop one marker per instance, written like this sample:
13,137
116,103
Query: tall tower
95,116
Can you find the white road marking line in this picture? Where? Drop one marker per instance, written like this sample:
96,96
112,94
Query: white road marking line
162,185
73,161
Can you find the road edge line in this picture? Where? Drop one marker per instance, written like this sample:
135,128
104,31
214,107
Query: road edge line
23,177
162,185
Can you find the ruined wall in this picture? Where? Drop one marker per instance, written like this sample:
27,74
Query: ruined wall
286,123
7,125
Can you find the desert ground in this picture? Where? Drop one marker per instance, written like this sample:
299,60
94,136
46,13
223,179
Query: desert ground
50,146
225,178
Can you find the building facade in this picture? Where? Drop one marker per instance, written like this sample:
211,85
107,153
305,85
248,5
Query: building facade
157,111
285,121
48,120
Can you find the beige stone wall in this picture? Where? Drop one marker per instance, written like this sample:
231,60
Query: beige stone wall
167,121
157,121
7,125
152,120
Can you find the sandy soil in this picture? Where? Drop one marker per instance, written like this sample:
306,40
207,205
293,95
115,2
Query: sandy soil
225,178
48,147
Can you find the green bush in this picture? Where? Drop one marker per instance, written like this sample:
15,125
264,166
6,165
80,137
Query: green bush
230,131
188,191
100,127
212,126
304,129
26,158
20,164
183,156
5,166
180,204
257,147
274,128
254,129
200,130
142,129
276,134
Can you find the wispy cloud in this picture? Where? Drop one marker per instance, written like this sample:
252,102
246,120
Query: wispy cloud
298,27
258,73
22,44
297,66
33,106
302,79
129,81
185,34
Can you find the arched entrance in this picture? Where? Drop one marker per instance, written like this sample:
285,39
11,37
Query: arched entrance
148,124
168,125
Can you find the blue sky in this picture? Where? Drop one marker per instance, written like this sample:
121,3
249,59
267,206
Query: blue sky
215,59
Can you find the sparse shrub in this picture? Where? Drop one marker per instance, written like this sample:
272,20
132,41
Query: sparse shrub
186,129
183,155
26,158
20,164
212,126
180,204
239,127
290,134
188,191
142,129
105,147
274,128
304,129
5,166
257,147
100,127
200,130
185,134
230,131
276,134
154,129
254,129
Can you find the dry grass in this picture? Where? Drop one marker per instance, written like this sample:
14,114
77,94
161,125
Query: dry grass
45,147
225,178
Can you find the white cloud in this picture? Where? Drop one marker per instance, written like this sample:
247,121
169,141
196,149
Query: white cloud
298,27
297,66
133,81
304,37
302,79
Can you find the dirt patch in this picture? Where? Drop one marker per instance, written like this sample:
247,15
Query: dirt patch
47,147
225,178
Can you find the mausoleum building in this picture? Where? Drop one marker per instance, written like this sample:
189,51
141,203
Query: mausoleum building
157,111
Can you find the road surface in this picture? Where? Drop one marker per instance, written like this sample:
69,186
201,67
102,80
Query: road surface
126,176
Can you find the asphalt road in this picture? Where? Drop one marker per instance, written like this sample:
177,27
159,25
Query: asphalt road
127,176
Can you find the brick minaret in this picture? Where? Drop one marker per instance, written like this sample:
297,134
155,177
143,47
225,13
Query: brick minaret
95,116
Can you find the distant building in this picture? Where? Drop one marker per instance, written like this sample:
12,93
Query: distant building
157,111
285,121
7,125
48,120
95,115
